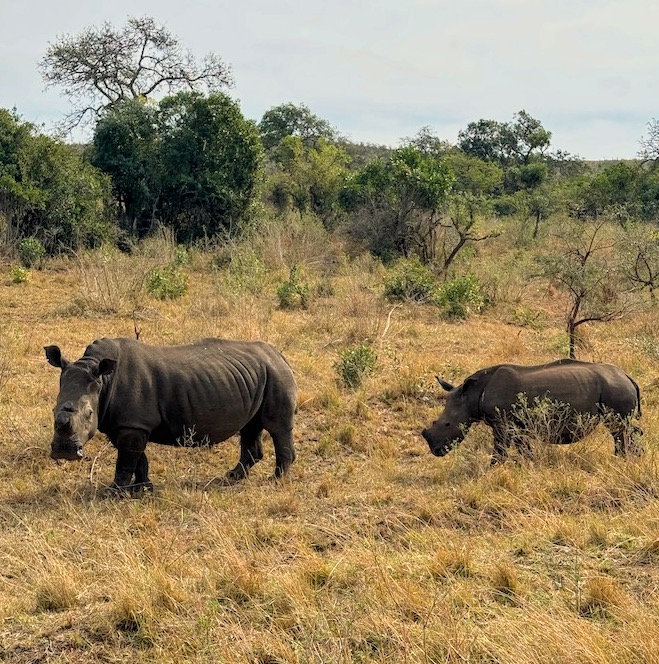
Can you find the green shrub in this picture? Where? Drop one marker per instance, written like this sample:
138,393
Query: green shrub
293,294
19,274
411,280
181,256
462,296
31,251
355,364
166,283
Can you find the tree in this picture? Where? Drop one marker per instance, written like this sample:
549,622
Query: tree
585,264
507,143
461,225
291,120
48,190
191,162
126,146
104,66
308,178
400,200
649,151
428,143
484,140
210,158
641,263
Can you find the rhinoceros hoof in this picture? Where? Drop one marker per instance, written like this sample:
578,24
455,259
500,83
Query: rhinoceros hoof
236,474
131,490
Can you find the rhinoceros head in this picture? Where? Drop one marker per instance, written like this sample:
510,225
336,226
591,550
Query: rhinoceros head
76,411
460,412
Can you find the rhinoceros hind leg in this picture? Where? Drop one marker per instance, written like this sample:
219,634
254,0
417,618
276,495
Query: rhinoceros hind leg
627,440
284,450
251,450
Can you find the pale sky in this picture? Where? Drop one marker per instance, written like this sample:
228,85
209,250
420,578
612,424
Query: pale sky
380,70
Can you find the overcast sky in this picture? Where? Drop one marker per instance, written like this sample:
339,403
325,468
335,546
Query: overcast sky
379,70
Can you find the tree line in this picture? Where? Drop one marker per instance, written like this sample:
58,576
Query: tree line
171,148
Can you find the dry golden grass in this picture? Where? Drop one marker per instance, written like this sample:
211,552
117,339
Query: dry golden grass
372,550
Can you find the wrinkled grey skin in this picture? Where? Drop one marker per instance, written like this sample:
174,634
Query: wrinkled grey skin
201,393
489,395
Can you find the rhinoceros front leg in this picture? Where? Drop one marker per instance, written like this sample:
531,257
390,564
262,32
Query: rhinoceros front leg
131,462
501,444
251,451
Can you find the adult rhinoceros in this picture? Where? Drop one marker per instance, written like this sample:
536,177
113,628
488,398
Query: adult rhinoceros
504,397
201,393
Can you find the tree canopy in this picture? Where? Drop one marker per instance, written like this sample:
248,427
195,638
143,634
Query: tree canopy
104,66
190,162
293,120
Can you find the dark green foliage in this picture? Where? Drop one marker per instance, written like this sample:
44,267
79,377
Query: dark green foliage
410,280
624,191
210,158
355,364
293,294
49,191
308,178
291,120
191,163
126,147
30,251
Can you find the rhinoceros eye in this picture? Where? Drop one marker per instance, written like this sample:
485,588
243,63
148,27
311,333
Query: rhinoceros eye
447,424
88,413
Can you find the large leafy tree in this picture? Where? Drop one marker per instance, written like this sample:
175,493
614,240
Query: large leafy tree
400,200
211,158
518,142
102,67
190,162
294,120
126,146
308,178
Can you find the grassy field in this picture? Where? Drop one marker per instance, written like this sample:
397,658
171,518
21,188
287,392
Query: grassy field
371,550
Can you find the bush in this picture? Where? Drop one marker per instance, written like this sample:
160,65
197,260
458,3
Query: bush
293,293
166,283
355,364
411,280
462,296
19,274
31,251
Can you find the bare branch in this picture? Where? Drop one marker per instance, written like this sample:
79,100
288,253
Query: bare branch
103,66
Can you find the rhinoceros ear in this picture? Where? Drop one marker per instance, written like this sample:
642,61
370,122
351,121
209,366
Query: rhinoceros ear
55,357
447,386
106,366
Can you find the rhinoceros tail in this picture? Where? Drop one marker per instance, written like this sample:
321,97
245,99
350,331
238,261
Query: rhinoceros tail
638,395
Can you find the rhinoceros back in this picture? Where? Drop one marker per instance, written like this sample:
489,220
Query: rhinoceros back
192,394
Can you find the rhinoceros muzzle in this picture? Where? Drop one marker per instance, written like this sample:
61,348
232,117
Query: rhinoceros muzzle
437,450
69,450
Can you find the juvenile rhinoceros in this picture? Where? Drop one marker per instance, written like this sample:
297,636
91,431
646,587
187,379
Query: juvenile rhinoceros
504,397
200,393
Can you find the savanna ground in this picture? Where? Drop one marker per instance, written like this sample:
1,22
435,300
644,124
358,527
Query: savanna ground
372,550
